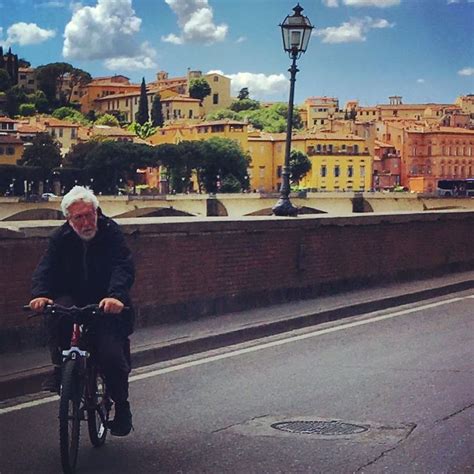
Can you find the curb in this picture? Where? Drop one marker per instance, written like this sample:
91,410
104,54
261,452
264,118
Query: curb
29,381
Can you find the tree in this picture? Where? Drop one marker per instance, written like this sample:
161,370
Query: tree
110,161
142,115
76,157
71,114
5,81
299,165
222,157
107,119
143,131
223,114
199,88
50,79
27,110
353,114
39,99
78,77
14,97
244,104
243,94
157,118
44,152
23,63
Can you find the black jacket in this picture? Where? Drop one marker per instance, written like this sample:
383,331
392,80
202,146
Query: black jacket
86,271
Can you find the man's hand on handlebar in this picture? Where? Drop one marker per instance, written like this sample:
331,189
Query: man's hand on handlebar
38,304
111,305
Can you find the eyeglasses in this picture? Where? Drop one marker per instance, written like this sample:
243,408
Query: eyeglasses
87,216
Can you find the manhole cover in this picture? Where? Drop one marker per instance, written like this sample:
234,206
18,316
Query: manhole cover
325,428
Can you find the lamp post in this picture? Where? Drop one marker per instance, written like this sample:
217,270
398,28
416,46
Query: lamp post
296,31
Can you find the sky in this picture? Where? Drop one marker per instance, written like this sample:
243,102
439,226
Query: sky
365,50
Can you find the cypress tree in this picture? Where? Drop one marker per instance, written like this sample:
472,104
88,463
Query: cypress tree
142,115
9,65
2,59
157,118
15,69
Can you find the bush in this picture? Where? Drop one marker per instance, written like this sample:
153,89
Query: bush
27,110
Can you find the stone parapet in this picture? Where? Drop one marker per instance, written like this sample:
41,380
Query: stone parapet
191,267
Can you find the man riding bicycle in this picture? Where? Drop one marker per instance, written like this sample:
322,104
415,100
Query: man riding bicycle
88,262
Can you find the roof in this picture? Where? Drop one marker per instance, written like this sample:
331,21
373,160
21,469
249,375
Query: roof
219,122
4,119
54,122
107,131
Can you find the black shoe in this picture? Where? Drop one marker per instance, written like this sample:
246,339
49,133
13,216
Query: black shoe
122,423
52,383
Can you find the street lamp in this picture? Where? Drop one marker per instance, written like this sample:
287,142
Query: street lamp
296,31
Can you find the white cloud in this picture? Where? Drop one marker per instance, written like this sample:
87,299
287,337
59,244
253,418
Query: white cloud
143,60
195,19
351,31
371,3
420,81
241,39
331,3
27,33
467,71
365,3
51,4
260,86
452,2
107,31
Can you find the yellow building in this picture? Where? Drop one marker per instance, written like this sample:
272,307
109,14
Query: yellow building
321,110
201,131
11,149
65,133
103,87
340,162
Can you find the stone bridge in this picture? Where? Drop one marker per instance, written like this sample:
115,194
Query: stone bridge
235,205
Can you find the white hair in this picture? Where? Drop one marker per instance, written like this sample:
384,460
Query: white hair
78,193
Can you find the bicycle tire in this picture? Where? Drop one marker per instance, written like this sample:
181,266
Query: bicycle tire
69,417
98,409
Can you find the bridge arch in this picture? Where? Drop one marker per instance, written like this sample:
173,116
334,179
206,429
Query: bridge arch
40,214
154,212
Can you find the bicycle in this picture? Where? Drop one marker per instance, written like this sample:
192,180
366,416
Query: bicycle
83,393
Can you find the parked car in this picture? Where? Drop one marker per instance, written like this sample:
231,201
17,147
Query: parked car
46,196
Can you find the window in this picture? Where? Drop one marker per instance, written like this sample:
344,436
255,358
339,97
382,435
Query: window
215,99
261,172
216,79
61,132
279,172
2,150
323,171
350,171
337,171
190,114
73,133
10,150
362,171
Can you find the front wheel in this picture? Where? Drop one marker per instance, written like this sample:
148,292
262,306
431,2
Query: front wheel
69,416
98,407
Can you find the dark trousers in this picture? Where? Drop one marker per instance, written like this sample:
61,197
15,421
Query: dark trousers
106,341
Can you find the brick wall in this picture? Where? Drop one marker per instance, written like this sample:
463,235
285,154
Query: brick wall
187,267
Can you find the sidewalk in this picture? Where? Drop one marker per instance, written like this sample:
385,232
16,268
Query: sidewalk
22,373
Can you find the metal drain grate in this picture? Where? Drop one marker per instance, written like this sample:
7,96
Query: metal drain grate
324,428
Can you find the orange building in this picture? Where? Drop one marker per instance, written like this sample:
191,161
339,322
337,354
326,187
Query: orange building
11,149
102,87
432,153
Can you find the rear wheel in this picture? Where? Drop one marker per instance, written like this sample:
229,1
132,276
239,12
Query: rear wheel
69,416
98,407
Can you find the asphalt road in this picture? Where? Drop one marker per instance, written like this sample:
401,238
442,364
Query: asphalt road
401,379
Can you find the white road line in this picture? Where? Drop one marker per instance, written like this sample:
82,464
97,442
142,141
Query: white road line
290,339
238,352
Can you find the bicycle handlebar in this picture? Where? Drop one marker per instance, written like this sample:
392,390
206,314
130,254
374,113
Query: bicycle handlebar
72,311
